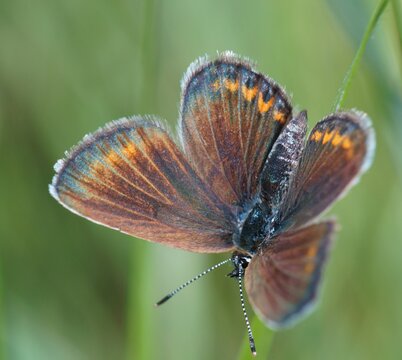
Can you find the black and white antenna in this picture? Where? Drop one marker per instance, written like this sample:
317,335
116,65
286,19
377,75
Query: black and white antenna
250,333
187,283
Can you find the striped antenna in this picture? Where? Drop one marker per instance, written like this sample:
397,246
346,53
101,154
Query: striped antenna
250,333
187,283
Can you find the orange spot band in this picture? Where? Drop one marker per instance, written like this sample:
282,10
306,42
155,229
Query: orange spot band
346,143
216,85
264,106
337,139
316,136
327,137
232,85
249,94
278,116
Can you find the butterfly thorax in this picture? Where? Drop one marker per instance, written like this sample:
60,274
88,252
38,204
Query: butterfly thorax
254,229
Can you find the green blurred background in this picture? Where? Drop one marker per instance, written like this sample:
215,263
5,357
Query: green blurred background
70,289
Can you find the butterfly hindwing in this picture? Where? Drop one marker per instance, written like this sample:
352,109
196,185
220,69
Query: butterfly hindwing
132,177
339,148
282,280
230,119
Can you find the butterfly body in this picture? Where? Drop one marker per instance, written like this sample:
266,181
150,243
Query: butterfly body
253,230
245,178
263,219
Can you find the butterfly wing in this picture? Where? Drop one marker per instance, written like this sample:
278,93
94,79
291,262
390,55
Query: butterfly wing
230,119
282,280
339,149
131,176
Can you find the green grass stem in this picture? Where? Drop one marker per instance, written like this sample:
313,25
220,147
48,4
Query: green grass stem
140,325
342,93
2,330
397,11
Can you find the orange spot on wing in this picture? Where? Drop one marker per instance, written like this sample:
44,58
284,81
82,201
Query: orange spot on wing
112,157
309,267
216,85
232,85
312,251
249,94
327,136
264,106
316,136
97,166
278,116
129,150
347,143
311,254
337,139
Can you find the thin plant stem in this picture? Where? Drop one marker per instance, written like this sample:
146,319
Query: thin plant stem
397,11
264,336
359,54
139,314
2,332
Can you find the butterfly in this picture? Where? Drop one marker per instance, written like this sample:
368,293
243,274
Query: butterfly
244,177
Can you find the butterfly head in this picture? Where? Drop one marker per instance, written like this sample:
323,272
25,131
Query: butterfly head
240,262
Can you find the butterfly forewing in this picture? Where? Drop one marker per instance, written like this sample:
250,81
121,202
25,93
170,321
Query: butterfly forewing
230,119
339,148
282,280
132,177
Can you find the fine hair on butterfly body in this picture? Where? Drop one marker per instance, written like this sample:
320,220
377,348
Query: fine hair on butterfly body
246,178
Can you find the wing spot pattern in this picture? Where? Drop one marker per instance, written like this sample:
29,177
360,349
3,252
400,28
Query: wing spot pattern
263,106
279,116
249,93
347,144
232,86
129,150
216,85
312,251
112,157
309,268
316,136
335,139
327,136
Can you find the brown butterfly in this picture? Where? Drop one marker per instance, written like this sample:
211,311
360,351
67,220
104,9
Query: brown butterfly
243,178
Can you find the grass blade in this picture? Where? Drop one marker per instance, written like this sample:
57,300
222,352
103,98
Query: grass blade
397,11
2,330
359,54
140,327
